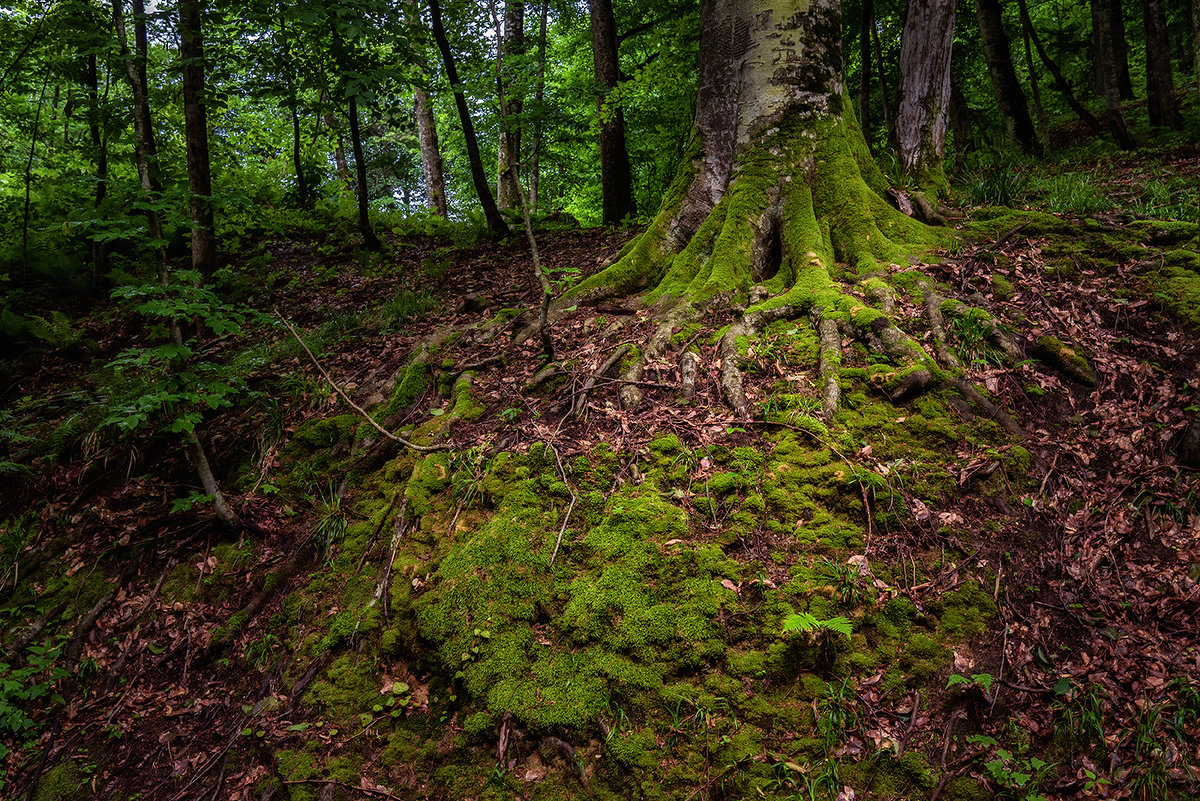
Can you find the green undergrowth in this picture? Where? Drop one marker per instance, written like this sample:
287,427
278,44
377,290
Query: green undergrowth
629,619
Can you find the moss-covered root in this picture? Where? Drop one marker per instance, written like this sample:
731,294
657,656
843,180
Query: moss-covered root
630,392
751,323
988,327
933,314
829,364
937,327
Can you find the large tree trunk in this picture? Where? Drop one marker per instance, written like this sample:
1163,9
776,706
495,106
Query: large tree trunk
616,177
1161,102
495,221
195,123
1014,108
776,203
925,90
508,158
1196,46
1107,72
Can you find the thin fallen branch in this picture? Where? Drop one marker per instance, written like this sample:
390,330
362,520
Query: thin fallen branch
361,411
347,786
571,508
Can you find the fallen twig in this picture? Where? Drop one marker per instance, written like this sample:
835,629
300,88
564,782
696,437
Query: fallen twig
361,411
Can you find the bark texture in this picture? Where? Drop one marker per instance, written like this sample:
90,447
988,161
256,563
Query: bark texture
1014,108
616,177
539,95
866,26
922,118
508,159
1161,102
1108,71
431,154
195,124
1108,16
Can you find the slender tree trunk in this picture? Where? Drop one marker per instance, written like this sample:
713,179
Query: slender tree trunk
960,124
427,137
302,188
1038,108
1106,70
147,163
361,190
431,154
1161,102
1116,13
100,154
1060,82
885,99
491,213
1014,108
370,240
1196,53
195,122
921,120
508,160
866,26
33,137
616,177
538,100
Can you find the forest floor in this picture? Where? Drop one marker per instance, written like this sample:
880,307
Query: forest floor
664,602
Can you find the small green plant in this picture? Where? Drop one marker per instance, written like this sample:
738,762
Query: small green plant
983,681
806,623
405,305
837,713
24,688
1081,710
1019,777
969,334
331,522
468,470
999,182
846,581
509,415
1150,783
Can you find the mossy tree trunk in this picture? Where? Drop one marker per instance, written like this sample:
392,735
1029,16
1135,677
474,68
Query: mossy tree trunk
777,183
776,210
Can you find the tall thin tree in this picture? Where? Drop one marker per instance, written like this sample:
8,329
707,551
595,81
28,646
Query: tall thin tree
1014,108
616,176
1161,102
922,118
195,124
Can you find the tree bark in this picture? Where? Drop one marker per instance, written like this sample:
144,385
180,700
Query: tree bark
866,26
1107,72
431,154
1161,102
1014,108
427,137
29,175
361,190
303,192
538,99
100,154
884,98
508,158
1038,108
616,177
922,118
370,240
1196,46
195,123
495,221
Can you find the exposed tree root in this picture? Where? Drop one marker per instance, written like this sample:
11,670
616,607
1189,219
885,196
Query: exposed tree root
752,322
580,403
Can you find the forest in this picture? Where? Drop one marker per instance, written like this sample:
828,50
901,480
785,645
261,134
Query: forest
678,399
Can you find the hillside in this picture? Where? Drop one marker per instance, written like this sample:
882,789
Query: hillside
539,593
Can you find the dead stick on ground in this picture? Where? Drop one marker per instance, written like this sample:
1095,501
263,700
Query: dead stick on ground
356,788
362,412
571,508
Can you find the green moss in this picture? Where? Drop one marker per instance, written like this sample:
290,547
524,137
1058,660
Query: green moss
347,688
1002,287
666,445
409,388
965,612
1065,359
322,433
64,782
